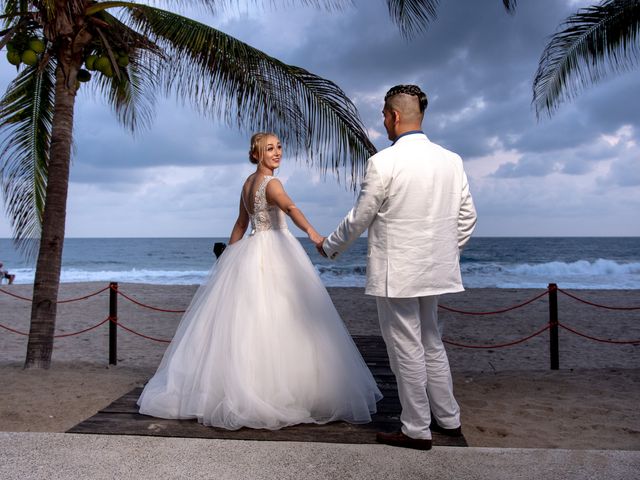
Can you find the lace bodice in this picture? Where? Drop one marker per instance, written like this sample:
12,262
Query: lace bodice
265,216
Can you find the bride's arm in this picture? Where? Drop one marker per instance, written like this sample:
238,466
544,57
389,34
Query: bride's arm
277,196
241,224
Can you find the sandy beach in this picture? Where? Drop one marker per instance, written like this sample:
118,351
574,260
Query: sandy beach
509,396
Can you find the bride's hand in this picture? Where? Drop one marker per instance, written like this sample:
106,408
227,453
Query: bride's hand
316,238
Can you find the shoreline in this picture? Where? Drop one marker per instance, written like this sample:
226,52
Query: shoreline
508,396
74,283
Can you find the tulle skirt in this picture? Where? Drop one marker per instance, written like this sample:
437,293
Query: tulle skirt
262,346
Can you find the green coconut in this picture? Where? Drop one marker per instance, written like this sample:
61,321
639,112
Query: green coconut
11,47
90,62
123,60
36,45
29,57
107,71
83,75
14,58
102,63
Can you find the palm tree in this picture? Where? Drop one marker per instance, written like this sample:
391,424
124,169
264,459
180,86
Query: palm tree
591,44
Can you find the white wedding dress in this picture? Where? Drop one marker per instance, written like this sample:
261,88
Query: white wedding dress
262,345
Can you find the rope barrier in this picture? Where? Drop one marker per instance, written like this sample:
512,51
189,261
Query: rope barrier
502,345
147,306
14,295
596,339
85,297
83,331
13,331
464,312
59,301
63,335
595,304
155,339
552,326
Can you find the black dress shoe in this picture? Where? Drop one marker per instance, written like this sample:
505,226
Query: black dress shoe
399,439
449,432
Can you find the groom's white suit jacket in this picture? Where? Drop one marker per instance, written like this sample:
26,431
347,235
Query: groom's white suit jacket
416,203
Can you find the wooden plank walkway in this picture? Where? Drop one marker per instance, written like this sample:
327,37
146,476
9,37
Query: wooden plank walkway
122,417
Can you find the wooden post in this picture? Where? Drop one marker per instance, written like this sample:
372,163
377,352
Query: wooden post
554,351
113,328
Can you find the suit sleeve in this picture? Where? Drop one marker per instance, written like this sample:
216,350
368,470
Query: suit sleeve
370,199
467,216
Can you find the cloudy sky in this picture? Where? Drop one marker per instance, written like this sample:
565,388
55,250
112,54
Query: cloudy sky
577,173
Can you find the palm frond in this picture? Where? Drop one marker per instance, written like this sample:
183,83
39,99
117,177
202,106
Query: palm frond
16,17
510,5
11,12
8,35
219,6
593,43
226,78
132,95
412,16
26,115
48,7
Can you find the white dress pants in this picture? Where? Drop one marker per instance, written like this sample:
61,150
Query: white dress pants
413,335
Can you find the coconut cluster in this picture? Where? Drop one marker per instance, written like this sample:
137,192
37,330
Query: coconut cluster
25,49
102,63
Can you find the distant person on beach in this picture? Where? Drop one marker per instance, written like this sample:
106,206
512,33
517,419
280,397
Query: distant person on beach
5,274
261,344
415,201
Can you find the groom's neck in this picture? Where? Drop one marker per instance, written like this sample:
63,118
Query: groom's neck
406,127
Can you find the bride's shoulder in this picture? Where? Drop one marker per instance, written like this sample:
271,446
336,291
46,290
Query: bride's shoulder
274,183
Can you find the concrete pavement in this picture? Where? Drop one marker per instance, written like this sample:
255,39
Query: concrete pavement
55,456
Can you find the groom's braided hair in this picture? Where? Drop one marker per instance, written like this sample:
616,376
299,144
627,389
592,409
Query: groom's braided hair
412,90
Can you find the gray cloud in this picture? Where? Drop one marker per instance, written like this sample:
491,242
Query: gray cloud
178,136
624,170
625,173
183,175
616,147
532,166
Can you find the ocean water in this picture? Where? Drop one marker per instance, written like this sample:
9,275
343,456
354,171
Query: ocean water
575,262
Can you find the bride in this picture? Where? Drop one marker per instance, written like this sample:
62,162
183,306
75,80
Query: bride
261,344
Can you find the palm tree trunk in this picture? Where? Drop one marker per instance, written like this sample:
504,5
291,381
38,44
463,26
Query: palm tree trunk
47,277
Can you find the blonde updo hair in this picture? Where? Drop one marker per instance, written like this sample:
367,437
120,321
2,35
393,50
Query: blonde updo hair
257,144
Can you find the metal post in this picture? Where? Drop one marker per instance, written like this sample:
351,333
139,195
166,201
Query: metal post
554,351
113,328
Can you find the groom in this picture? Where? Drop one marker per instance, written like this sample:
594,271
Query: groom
415,201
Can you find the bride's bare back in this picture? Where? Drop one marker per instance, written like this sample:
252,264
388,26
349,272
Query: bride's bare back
249,190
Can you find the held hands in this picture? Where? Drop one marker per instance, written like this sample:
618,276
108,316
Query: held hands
318,240
319,247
